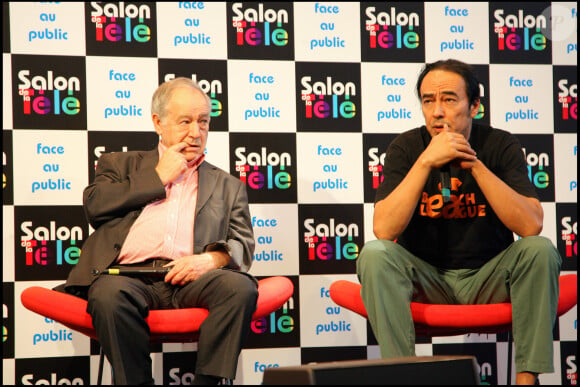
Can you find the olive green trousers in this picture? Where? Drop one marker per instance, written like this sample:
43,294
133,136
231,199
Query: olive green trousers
525,274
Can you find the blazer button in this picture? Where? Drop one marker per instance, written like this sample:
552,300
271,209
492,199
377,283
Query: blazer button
117,247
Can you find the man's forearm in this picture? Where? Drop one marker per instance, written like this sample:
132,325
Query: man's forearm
106,198
522,215
220,258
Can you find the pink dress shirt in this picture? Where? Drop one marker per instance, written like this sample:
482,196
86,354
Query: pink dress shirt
164,229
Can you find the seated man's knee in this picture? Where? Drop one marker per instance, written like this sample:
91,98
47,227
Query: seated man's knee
542,251
243,287
105,292
374,253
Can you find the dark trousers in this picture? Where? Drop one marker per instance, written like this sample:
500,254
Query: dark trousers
120,304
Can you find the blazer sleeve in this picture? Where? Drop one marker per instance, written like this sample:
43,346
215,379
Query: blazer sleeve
121,185
239,242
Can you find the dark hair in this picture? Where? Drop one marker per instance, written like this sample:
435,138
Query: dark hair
458,67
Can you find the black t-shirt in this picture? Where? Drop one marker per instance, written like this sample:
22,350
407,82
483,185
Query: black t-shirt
466,232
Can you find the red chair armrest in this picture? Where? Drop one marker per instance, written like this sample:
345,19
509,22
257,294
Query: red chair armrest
61,307
347,294
70,310
273,292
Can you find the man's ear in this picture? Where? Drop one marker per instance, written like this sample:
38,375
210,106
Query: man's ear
156,123
474,108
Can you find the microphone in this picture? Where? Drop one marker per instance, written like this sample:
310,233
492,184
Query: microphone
137,271
445,183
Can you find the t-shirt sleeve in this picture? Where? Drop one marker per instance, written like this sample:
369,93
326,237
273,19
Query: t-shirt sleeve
398,162
513,168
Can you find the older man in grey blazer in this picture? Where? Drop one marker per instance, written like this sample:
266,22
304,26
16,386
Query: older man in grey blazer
168,207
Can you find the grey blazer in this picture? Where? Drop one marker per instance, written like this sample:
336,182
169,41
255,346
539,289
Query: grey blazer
125,182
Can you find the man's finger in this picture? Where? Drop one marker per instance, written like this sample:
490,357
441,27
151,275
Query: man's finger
179,146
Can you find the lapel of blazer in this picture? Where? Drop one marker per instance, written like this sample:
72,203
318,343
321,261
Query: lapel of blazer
206,184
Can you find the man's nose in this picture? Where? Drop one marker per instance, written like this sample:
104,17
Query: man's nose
194,130
438,110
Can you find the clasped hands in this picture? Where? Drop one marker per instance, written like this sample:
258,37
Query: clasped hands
450,147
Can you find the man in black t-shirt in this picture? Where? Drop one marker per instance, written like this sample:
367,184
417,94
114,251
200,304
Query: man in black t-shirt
453,195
